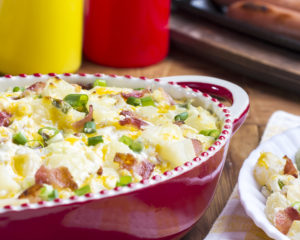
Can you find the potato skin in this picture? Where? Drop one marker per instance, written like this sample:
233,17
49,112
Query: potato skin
266,16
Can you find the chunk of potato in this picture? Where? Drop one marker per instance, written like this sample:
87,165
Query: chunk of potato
58,88
176,152
293,192
267,165
294,232
275,202
75,157
7,184
201,119
26,164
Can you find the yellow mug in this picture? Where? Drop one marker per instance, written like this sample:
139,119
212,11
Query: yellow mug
40,36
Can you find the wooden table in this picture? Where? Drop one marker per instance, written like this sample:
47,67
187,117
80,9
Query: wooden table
264,100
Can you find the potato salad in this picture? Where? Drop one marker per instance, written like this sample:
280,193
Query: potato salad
59,139
280,184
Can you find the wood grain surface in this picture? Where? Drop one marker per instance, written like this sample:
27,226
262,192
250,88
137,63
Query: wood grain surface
236,51
264,100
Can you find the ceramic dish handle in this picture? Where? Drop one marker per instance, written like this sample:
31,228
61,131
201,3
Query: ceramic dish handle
231,92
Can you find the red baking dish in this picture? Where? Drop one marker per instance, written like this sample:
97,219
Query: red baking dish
163,207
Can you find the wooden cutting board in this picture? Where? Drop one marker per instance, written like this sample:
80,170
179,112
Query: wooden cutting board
236,51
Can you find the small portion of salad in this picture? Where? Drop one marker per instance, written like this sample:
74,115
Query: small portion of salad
280,184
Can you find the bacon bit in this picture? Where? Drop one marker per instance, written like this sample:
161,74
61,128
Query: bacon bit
58,177
37,87
86,86
130,119
89,117
134,122
179,123
4,118
284,219
198,148
290,168
167,97
144,169
32,193
126,160
100,171
127,113
135,93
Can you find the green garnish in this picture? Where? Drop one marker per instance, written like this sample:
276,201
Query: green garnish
133,101
63,106
47,193
215,133
296,205
48,132
77,101
18,89
89,127
185,105
100,83
147,101
92,141
124,180
211,132
181,117
19,138
140,88
280,183
126,140
83,190
136,146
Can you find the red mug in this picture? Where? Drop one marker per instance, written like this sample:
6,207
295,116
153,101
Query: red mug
132,33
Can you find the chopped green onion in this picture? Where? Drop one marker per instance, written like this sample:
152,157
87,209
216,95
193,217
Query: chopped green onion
205,132
19,138
18,89
53,195
280,183
214,133
77,101
140,88
63,106
211,132
181,116
185,105
83,190
89,127
126,140
134,101
124,180
136,146
47,193
147,101
100,83
48,132
296,205
92,141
